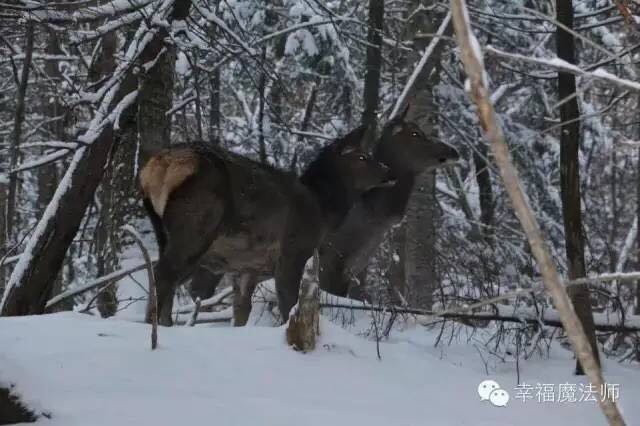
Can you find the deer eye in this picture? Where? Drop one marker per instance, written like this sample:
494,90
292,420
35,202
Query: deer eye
362,158
415,134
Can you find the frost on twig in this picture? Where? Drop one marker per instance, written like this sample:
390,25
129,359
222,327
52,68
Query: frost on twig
471,59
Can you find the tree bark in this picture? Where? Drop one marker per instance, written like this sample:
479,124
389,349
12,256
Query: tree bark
48,248
52,107
570,176
304,322
422,211
483,178
156,97
11,218
374,65
637,287
214,107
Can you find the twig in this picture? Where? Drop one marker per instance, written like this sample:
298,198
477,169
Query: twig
153,298
106,279
212,301
427,54
425,317
472,61
194,315
565,66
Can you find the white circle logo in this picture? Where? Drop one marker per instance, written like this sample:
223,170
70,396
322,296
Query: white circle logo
489,390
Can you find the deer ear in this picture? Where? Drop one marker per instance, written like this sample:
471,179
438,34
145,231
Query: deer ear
347,150
358,136
354,140
404,112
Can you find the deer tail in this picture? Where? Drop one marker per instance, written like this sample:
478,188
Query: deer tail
165,172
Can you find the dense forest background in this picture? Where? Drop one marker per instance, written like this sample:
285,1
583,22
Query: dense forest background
89,89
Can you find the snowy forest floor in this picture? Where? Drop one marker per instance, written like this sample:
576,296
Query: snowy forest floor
88,371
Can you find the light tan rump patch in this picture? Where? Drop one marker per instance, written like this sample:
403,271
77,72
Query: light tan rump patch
165,172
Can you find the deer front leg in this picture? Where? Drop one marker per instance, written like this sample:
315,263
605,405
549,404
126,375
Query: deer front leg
243,287
288,275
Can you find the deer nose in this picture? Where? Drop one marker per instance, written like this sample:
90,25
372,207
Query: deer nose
386,171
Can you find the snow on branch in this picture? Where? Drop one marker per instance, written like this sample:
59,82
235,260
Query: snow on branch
41,161
211,17
105,280
82,36
86,14
565,66
471,56
104,116
425,57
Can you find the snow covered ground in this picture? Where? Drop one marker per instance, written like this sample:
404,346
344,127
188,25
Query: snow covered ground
88,371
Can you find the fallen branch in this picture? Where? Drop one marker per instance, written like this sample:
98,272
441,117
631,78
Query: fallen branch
425,317
105,280
470,55
206,303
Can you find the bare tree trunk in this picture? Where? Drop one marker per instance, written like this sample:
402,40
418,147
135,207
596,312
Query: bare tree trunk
11,218
47,248
304,322
156,97
570,176
422,211
214,107
374,68
483,178
3,234
637,301
262,86
47,176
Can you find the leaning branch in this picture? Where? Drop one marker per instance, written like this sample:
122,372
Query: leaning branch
105,281
471,57
550,318
565,66
427,54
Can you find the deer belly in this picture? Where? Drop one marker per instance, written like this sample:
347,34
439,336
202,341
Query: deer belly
244,253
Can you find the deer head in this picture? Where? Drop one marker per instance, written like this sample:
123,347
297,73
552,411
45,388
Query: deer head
405,148
358,169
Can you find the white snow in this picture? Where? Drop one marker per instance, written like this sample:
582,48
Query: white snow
91,372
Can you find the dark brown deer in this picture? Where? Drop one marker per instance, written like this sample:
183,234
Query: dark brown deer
346,250
242,216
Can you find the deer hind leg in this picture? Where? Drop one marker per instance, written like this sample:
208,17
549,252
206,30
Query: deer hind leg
204,282
332,273
191,220
243,288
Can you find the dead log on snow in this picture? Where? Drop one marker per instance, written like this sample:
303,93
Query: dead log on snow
12,410
303,326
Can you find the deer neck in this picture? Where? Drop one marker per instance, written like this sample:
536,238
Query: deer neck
405,177
332,196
